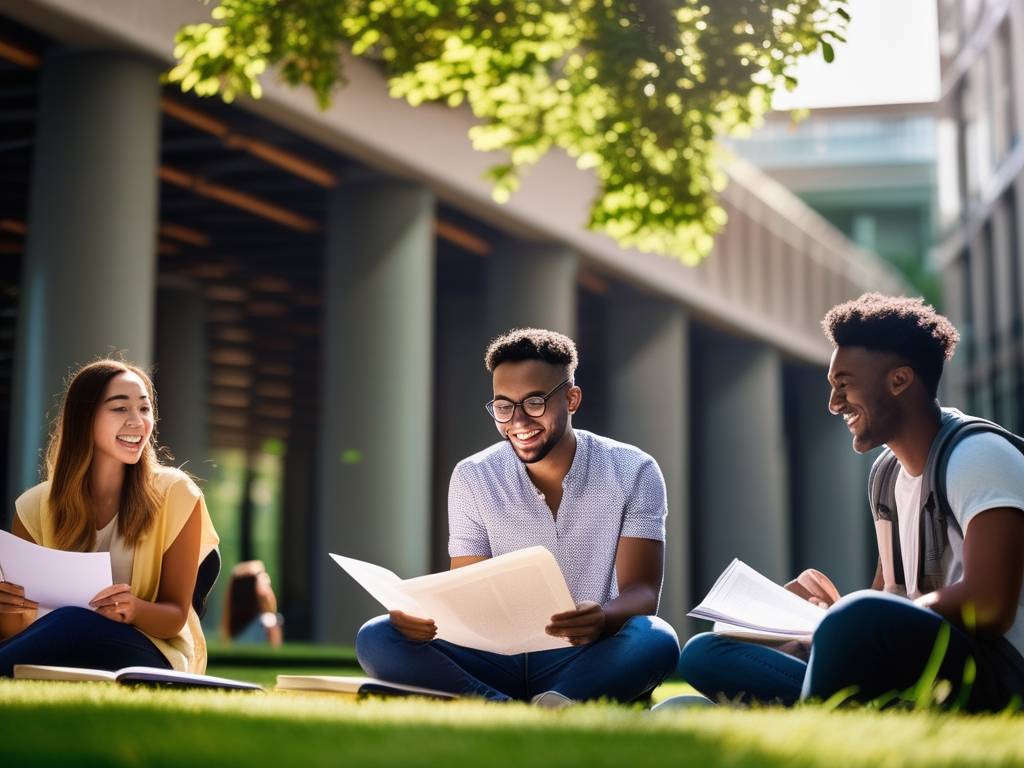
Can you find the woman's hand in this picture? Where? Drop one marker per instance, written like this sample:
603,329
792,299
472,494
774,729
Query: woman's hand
117,603
13,600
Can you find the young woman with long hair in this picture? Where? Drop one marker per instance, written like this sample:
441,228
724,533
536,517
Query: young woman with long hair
107,491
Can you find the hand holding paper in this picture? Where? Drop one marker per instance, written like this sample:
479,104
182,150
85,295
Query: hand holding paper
501,605
13,600
746,604
53,578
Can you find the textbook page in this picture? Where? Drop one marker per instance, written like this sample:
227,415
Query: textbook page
52,577
746,600
72,674
501,604
130,675
354,686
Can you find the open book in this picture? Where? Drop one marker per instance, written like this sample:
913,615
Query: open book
130,676
745,604
500,605
355,686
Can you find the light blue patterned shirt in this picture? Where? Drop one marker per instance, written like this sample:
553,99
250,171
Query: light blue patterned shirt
612,490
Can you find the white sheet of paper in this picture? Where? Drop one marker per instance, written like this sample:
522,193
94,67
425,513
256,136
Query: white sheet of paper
501,604
52,577
383,585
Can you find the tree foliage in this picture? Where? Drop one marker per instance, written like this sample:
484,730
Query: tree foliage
636,90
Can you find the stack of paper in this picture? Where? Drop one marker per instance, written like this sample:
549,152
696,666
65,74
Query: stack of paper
744,603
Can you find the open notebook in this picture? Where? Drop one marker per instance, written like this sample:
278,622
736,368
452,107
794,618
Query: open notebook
745,604
131,676
355,686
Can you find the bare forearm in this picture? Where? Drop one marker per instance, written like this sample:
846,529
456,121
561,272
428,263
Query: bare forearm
960,605
879,581
638,600
12,624
163,620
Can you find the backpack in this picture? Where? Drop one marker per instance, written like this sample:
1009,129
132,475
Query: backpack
939,526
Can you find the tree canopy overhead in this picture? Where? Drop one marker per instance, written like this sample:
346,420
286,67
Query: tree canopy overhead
636,90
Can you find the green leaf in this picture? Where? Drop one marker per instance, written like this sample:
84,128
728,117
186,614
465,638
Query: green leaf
635,92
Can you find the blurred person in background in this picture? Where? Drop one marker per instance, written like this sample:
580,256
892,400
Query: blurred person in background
250,610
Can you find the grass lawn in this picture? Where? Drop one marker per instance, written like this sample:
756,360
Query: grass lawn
86,724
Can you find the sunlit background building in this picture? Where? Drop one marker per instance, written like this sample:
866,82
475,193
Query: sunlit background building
981,211
315,289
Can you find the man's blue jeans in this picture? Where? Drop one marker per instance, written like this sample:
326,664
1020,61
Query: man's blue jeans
624,666
870,640
78,637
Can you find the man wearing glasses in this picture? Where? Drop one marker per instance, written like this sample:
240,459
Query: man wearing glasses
598,505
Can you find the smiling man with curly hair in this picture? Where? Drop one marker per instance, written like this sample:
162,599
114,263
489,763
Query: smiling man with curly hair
947,497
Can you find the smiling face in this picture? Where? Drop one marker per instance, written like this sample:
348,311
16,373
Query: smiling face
866,388
124,419
533,437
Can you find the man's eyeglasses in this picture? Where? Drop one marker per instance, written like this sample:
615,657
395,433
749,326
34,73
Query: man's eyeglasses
502,410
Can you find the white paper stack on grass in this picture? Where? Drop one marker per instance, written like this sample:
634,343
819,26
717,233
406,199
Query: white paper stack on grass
745,604
500,605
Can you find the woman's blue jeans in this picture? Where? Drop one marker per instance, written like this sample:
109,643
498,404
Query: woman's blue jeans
871,641
624,666
78,637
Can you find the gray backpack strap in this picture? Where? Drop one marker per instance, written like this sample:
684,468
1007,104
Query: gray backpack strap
938,523
882,498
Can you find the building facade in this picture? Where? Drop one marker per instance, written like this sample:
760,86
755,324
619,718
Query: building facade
326,282
871,171
982,201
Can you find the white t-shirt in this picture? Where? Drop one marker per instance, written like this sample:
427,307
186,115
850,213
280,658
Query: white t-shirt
984,472
122,557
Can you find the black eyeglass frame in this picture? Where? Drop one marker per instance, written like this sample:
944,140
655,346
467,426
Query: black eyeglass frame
489,406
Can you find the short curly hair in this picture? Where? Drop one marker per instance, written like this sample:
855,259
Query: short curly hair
903,326
532,344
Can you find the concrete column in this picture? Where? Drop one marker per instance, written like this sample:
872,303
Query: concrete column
181,374
739,459
981,326
301,554
531,284
463,386
648,401
952,385
1003,380
88,275
832,528
375,455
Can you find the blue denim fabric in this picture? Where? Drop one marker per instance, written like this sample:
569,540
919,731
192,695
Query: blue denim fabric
872,641
624,666
79,637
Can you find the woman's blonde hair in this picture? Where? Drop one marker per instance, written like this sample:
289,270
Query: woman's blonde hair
70,454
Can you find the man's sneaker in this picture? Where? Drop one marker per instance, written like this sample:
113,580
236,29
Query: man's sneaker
551,700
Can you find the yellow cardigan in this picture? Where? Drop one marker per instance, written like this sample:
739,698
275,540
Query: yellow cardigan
187,650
